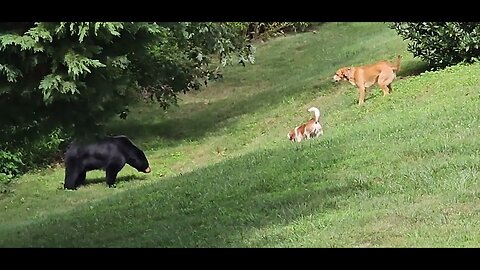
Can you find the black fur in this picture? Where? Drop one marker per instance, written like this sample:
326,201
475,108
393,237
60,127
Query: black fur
110,154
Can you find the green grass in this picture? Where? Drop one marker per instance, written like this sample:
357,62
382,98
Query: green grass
399,171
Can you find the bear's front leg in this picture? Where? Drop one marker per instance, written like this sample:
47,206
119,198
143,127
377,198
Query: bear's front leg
112,175
81,179
71,175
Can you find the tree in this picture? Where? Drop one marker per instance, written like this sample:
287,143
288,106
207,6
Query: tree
64,79
441,44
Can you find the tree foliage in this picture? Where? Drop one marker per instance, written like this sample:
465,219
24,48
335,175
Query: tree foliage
60,79
266,30
441,44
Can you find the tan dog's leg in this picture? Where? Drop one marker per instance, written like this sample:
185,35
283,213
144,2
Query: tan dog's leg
384,81
361,95
385,89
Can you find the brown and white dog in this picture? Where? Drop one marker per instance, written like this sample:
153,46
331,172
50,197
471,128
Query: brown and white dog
383,73
308,130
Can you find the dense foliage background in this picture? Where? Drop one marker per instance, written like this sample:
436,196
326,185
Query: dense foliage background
441,44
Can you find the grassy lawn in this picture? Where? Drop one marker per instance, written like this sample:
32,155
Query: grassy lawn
399,171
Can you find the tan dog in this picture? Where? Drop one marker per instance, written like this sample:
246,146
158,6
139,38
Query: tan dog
383,73
308,130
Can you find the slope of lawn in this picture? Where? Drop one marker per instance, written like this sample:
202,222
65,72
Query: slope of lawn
399,171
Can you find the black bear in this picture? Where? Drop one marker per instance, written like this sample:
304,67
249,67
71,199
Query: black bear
109,154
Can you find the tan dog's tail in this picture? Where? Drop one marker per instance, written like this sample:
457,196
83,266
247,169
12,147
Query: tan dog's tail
316,112
397,65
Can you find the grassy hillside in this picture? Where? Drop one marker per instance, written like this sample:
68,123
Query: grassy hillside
402,170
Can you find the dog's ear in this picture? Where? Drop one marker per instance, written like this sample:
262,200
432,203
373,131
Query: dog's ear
346,72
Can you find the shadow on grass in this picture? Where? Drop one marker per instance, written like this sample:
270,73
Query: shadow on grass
120,179
231,204
195,125
414,68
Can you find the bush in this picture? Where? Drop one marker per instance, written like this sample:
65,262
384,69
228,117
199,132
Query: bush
29,147
266,30
441,44
10,164
4,181
43,150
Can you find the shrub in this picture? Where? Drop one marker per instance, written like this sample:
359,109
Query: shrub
265,30
10,163
4,181
441,44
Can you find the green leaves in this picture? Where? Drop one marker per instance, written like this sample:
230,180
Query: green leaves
10,163
112,28
121,61
78,64
441,44
186,54
168,57
10,72
53,82
24,42
39,33
83,29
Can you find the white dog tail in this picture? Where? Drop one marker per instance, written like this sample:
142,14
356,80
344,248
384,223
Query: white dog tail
316,112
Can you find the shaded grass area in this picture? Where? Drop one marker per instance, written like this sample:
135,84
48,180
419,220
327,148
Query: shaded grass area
220,194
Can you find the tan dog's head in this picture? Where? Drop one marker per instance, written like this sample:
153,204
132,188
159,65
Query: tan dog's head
342,74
